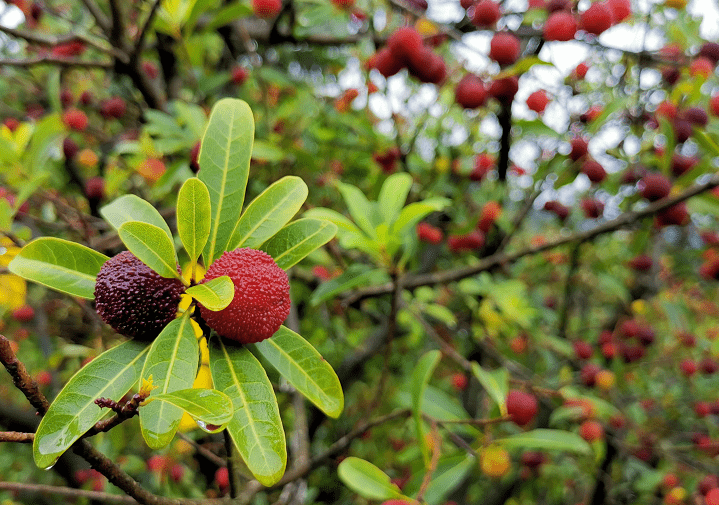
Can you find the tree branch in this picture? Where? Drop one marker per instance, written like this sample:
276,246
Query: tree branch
69,492
494,260
52,60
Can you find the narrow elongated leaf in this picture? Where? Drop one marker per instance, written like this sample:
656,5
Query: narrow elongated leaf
304,368
367,480
343,223
205,405
151,246
172,363
355,276
414,213
363,212
547,440
296,240
256,426
393,195
133,208
215,294
225,165
420,377
59,264
269,212
496,383
73,412
193,217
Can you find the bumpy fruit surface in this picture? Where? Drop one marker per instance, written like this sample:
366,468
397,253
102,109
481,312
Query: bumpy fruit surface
262,296
494,461
266,8
133,299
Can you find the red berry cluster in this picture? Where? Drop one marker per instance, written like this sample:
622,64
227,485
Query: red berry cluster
406,49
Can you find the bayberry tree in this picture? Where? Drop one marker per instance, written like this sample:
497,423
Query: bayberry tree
500,286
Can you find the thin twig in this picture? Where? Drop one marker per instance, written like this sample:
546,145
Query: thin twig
16,436
69,492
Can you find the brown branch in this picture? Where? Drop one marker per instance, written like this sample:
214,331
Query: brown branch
52,60
140,44
16,436
69,492
20,378
203,450
41,40
505,121
117,26
494,260
97,13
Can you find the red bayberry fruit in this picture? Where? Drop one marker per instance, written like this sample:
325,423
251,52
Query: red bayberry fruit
11,123
222,478
504,48
688,367
641,262
95,188
580,146
521,407
538,101
194,157
23,314
133,299
504,89
696,116
581,70
666,109
177,472
86,98
69,49
708,483
266,8
262,296
158,463
582,350
405,43
469,242
591,431
561,26
490,212
655,187
486,13
428,233
75,119
427,66
708,366
239,75
701,67
674,215
113,108
714,105
710,50
594,171
702,409
44,378
621,10
597,18
470,92
66,98
69,148
592,208
588,374
712,497
682,164
459,381
386,62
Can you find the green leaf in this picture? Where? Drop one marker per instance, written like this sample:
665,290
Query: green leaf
209,406
420,378
298,239
711,145
450,473
172,363
547,440
521,67
73,412
193,217
133,208
151,246
269,212
215,294
256,426
226,15
393,195
303,367
343,223
496,383
415,212
363,212
367,480
224,167
59,264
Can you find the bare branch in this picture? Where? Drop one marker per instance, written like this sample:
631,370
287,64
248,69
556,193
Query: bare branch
100,18
69,492
52,60
16,436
